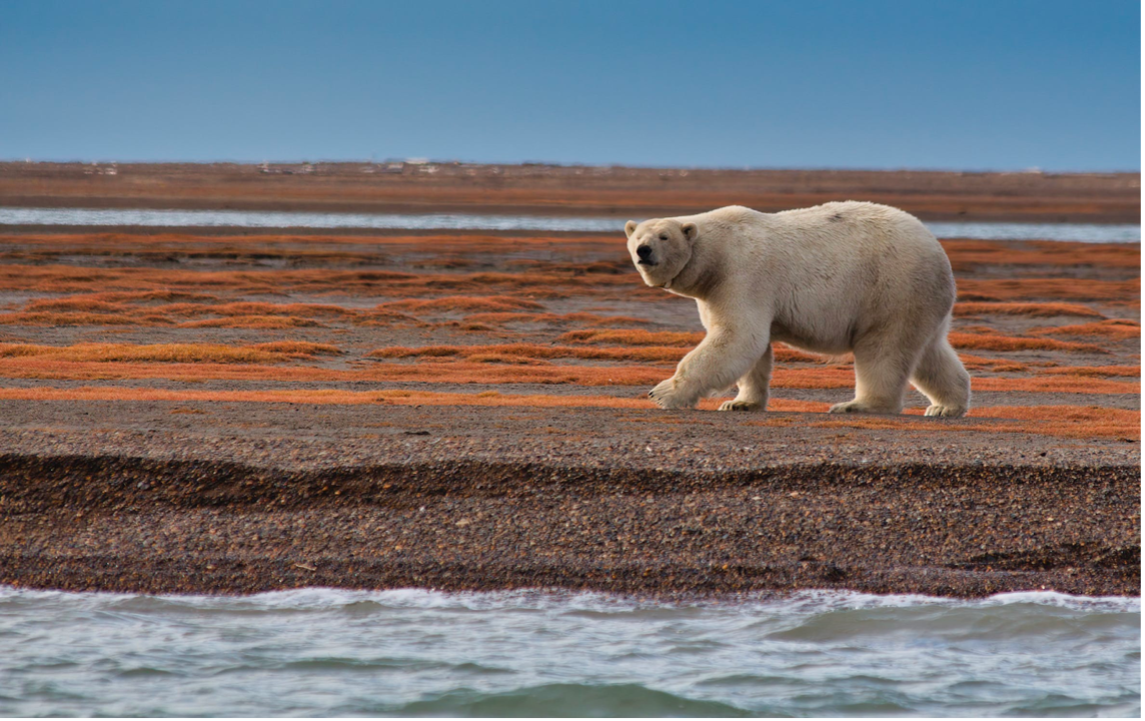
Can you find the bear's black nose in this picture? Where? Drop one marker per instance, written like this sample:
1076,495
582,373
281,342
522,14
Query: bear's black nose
644,251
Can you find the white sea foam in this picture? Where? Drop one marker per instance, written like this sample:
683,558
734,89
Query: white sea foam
812,601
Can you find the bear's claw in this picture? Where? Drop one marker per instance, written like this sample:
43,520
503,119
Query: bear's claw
861,407
945,411
740,406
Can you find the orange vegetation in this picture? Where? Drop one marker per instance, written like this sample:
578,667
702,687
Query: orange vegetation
460,303
64,319
170,353
248,309
481,367
584,345
1063,421
89,301
997,342
532,351
965,254
992,252
442,243
298,348
266,322
633,337
334,397
460,372
72,279
973,362
83,310
1067,421
1054,384
526,352
1050,288
1039,310
590,318
1114,329
1115,371
670,338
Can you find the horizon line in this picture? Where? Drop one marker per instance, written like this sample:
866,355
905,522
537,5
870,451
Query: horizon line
416,160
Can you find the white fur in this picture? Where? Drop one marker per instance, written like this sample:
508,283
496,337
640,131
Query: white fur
836,278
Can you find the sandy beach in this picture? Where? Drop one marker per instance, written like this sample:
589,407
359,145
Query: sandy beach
234,411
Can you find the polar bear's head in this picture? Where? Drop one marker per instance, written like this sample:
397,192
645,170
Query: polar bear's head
660,248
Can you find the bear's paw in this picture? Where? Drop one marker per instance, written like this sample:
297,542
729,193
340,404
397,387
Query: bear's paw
945,411
735,405
667,395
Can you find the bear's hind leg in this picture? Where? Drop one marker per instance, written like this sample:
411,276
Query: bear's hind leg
943,379
753,387
881,370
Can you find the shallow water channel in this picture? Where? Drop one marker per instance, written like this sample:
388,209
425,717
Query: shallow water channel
446,221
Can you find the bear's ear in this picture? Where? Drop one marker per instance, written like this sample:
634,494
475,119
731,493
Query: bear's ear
690,230
629,227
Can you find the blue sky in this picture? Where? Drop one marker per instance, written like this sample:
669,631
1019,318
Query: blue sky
966,84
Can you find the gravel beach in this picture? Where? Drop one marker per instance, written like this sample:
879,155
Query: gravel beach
495,498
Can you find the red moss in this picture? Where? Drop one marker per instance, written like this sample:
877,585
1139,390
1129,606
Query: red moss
993,364
254,321
1054,384
66,319
1089,371
997,342
967,254
1113,329
169,352
556,318
462,303
298,348
633,337
535,351
1025,289
338,397
1037,310
1063,421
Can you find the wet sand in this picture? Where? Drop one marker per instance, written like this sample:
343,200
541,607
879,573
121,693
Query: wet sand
225,411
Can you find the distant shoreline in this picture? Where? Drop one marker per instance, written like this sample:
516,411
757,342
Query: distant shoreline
564,190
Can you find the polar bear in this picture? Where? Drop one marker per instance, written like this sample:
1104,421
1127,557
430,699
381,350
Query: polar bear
836,278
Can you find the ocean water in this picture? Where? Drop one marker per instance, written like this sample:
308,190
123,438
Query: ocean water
268,219
417,652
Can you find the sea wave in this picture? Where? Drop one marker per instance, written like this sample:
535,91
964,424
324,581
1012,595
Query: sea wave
322,651
812,601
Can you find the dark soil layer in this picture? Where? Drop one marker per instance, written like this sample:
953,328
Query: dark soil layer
156,525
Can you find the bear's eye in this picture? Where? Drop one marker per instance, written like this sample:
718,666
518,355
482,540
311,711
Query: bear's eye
663,236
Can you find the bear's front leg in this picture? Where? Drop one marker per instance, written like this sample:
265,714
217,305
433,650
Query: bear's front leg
715,364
